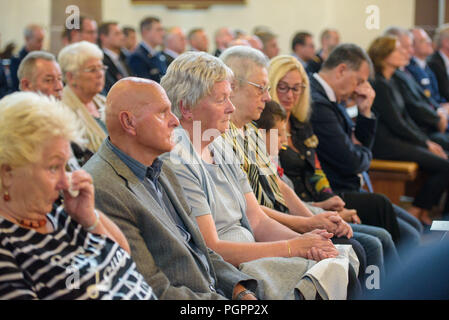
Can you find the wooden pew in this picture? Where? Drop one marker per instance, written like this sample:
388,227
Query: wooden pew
393,178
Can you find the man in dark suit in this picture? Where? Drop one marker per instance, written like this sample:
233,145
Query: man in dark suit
34,39
330,38
145,199
175,42
303,47
420,70
344,147
146,61
439,60
111,42
424,111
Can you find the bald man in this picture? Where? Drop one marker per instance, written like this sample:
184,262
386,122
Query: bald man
145,199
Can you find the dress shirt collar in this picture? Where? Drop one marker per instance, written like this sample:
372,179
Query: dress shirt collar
114,56
140,171
149,48
171,53
327,88
304,64
421,63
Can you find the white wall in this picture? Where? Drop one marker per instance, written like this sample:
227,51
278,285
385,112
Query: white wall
283,16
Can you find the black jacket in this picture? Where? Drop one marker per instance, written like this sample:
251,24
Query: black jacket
436,63
113,74
341,159
418,105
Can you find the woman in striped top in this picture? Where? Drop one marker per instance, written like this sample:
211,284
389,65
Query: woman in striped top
53,243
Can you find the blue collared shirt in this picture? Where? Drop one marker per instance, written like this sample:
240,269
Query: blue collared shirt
149,176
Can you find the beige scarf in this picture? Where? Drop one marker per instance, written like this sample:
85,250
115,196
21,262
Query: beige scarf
93,132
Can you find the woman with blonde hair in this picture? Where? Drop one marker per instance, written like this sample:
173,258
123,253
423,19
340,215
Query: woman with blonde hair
84,74
54,244
290,88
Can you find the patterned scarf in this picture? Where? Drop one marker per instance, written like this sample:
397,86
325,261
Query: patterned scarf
249,147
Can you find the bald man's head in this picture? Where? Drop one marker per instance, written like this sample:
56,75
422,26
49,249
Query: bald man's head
139,118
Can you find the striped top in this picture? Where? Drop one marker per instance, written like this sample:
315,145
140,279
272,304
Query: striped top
249,148
69,263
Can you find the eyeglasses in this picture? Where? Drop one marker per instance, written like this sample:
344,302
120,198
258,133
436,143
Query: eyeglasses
95,69
262,89
297,89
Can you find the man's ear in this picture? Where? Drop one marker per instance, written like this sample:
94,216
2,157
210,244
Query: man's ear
186,112
341,70
25,85
128,123
68,77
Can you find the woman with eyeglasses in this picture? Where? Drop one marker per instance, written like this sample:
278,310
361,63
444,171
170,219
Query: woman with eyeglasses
84,73
290,88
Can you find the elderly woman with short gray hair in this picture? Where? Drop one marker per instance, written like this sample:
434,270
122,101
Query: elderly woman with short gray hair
223,204
84,73
54,244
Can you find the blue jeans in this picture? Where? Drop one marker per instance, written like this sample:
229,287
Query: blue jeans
410,230
379,246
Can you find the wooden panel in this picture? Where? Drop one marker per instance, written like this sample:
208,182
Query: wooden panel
392,189
188,4
90,8
395,166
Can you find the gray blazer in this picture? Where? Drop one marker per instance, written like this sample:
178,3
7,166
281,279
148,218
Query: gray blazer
164,258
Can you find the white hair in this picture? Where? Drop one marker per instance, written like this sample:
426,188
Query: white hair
242,60
73,56
191,76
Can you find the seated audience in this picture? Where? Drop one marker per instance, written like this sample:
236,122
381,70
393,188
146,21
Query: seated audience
250,93
39,72
344,147
223,203
175,42
83,69
146,61
34,40
145,199
53,249
269,42
130,36
439,60
431,121
111,42
398,137
419,68
223,37
301,164
198,40
330,38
